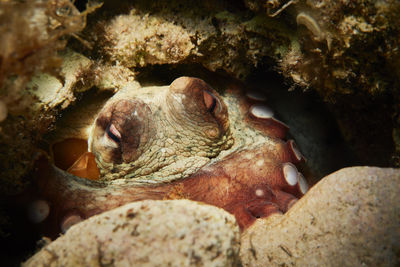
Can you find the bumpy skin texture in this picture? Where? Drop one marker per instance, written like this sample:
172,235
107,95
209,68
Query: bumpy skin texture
160,133
182,141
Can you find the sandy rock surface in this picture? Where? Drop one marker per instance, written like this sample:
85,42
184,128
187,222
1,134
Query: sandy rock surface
51,91
350,218
187,32
148,233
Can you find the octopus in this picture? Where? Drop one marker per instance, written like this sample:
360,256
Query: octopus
182,141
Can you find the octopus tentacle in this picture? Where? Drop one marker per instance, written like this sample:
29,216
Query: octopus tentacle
261,118
297,156
261,208
69,220
261,189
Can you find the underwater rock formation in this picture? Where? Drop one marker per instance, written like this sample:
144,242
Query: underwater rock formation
32,33
148,233
350,218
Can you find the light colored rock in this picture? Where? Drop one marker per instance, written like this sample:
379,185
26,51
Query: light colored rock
173,33
143,40
52,91
78,74
46,88
148,233
350,218
113,77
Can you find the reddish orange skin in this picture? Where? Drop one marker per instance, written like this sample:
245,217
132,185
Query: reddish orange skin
248,191
231,184
85,167
66,152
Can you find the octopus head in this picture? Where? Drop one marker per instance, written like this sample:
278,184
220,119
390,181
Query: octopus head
160,131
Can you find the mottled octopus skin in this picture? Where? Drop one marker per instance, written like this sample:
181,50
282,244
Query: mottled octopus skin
248,181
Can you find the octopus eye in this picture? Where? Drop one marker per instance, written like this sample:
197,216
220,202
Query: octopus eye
113,133
210,101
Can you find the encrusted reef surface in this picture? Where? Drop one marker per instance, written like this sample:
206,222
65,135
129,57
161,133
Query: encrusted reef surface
333,46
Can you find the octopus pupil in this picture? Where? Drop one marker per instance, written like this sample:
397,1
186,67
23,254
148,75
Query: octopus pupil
213,105
210,101
112,136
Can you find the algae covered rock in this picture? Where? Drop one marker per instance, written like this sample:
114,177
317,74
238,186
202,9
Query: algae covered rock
350,218
148,233
33,32
214,35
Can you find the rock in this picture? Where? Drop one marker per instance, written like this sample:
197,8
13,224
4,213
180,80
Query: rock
51,91
135,43
148,233
350,218
172,33
34,115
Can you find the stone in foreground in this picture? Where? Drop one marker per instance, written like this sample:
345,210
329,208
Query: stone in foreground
148,233
350,218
